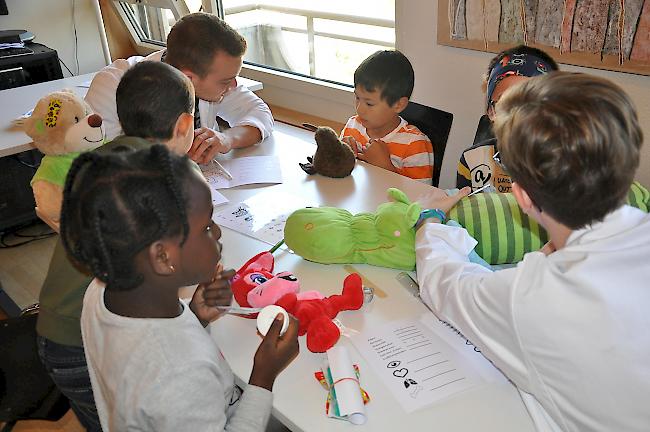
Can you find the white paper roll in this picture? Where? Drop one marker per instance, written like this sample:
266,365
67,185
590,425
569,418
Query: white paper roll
346,385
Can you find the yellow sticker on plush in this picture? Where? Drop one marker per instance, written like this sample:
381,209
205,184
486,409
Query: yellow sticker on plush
53,113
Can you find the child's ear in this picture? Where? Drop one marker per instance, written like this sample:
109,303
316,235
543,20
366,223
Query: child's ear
401,104
184,125
162,258
522,198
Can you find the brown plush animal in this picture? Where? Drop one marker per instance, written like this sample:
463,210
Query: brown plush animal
333,158
62,126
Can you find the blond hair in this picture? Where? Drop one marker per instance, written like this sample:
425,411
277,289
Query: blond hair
572,142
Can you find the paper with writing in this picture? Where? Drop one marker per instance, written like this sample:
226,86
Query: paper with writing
416,365
244,170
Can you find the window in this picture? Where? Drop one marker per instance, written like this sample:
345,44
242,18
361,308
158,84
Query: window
149,21
324,40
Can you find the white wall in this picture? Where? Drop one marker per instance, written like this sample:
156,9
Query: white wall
51,23
450,79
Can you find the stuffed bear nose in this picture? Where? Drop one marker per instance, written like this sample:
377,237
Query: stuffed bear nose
94,120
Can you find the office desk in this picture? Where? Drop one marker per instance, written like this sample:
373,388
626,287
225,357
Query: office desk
17,101
299,400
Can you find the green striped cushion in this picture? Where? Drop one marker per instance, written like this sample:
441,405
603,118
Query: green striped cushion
504,232
639,197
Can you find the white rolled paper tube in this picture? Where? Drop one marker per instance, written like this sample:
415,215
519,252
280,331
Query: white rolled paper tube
348,392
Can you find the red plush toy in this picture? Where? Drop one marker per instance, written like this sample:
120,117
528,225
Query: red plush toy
255,285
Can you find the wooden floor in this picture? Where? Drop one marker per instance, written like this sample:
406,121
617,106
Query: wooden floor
22,271
23,268
68,423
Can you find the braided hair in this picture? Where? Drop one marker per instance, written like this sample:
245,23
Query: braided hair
116,204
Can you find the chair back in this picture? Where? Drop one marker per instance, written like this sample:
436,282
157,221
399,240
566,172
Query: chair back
435,124
26,389
483,130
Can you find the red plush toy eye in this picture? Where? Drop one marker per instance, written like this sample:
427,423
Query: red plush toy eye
257,278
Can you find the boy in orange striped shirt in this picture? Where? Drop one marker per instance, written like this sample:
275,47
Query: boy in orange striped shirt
383,84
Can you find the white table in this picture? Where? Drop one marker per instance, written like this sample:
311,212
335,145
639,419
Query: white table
298,398
17,101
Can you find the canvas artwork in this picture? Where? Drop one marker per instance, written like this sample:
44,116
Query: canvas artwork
604,34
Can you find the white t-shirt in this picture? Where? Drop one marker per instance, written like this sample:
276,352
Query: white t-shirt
571,330
163,374
239,107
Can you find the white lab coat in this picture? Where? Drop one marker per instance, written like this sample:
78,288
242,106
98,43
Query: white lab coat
571,330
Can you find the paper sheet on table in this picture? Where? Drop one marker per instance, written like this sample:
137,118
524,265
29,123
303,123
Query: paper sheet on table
348,400
463,346
262,216
244,170
85,84
417,366
217,197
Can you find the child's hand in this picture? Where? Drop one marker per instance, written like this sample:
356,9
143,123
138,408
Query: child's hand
207,143
548,248
376,153
275,353
352,143
438,199
211,294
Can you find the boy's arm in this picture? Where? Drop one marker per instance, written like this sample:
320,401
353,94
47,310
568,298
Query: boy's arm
413,158
377,154
476,301
101,98
101,94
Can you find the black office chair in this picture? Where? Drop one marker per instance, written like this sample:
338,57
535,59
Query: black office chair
26,390
435,124
483,130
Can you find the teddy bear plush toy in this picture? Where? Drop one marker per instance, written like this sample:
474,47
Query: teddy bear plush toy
333,158
62,126
255,285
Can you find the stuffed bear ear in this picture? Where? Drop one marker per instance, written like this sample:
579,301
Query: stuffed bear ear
398,196
413,213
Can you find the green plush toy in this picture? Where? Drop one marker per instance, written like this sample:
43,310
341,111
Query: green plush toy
504,233
331,235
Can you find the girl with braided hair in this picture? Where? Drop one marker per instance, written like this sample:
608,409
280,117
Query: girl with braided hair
141,222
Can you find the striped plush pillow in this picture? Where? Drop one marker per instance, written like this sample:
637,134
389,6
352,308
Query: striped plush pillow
504,232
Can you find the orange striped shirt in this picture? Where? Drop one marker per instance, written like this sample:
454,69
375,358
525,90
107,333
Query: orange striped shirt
410,150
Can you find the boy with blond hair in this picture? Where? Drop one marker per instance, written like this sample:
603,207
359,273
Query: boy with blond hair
569,325
383,84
